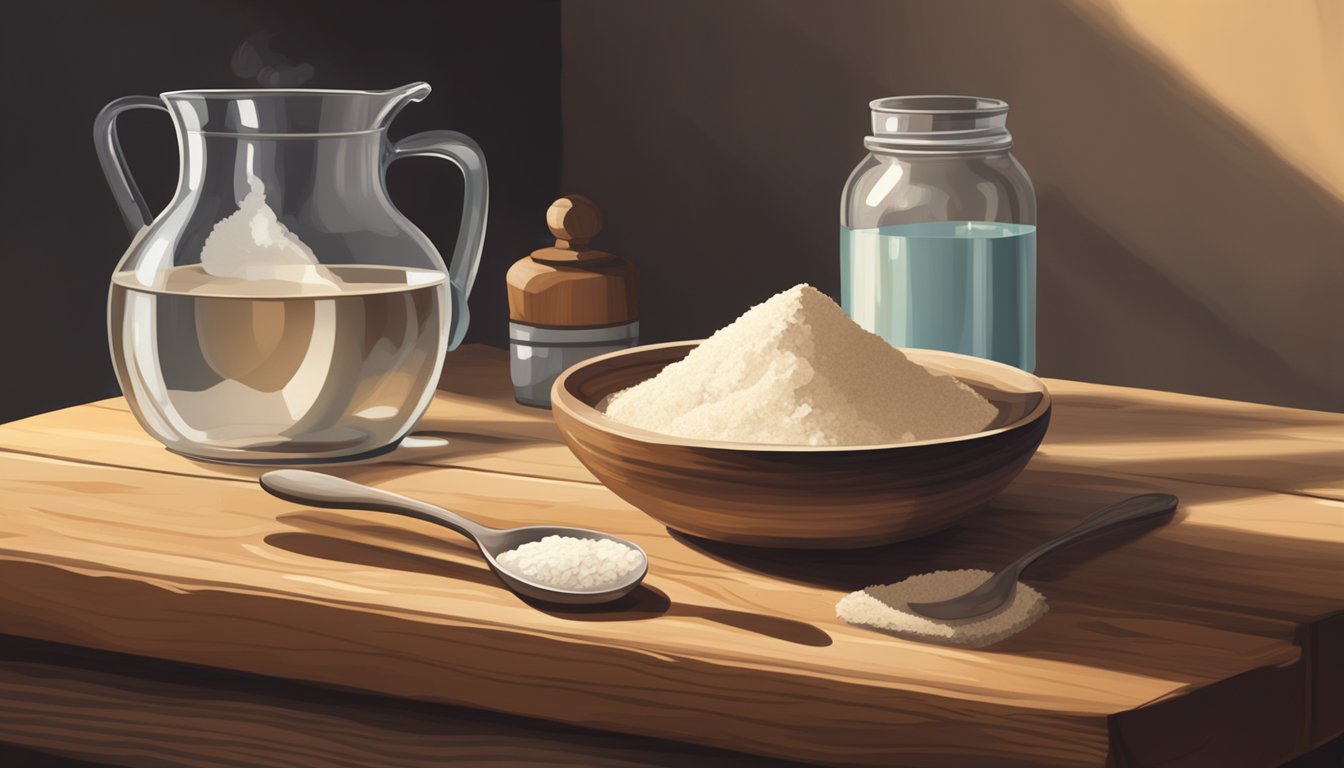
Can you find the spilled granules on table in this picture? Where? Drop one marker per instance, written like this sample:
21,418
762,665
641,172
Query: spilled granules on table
887,607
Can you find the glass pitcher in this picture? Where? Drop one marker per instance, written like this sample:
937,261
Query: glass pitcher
280,309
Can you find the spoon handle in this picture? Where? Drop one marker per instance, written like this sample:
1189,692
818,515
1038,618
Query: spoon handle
1132,510
319,490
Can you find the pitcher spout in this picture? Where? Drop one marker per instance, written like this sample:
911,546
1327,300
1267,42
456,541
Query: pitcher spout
396,98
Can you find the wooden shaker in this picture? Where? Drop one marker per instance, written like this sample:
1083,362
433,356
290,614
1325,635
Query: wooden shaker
567,303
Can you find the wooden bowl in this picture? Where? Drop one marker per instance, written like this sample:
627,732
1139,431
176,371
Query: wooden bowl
800,496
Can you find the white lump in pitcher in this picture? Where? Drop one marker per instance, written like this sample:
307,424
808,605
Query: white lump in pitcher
252,244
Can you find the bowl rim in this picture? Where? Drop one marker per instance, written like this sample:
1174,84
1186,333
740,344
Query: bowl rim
563,400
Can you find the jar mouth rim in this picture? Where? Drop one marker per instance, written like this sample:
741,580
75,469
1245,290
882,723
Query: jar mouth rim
938,104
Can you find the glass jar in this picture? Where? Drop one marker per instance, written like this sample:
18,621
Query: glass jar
938,231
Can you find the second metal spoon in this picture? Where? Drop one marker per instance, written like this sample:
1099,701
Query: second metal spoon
319,490
999,588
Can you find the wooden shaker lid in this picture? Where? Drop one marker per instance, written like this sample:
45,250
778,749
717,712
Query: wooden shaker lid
575,221
571,285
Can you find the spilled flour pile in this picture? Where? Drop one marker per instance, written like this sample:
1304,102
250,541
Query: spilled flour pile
796,370
886,607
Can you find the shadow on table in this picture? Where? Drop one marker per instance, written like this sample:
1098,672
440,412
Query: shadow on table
324,541
852,569
638,604
427,447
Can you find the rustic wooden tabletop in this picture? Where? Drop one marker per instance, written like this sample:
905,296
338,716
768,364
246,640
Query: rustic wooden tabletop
1217,639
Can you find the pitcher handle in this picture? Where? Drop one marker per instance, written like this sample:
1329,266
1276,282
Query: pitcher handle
460,150
134,211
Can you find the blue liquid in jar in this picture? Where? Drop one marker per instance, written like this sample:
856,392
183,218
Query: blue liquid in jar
958,286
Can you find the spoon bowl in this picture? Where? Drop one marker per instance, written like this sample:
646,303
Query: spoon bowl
512,538
998,589
319,490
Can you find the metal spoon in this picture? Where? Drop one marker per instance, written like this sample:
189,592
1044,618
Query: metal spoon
999,588
321,490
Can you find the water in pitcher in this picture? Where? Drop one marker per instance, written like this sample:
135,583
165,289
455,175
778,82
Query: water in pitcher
322,366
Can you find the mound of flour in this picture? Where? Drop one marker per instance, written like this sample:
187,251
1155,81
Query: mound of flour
796,370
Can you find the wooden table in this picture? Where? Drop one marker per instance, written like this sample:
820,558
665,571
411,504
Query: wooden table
1215,640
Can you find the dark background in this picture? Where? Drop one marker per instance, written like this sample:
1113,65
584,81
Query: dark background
494,67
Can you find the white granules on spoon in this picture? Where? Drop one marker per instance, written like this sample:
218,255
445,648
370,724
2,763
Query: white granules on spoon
565,562
796,370
887,607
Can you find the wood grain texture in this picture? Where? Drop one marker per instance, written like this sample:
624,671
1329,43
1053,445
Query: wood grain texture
800,496
112,709
1136,432
1201,439
108,541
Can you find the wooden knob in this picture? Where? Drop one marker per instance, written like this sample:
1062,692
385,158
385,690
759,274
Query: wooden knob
574,220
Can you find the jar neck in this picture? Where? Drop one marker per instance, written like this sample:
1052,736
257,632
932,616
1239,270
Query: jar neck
890,150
